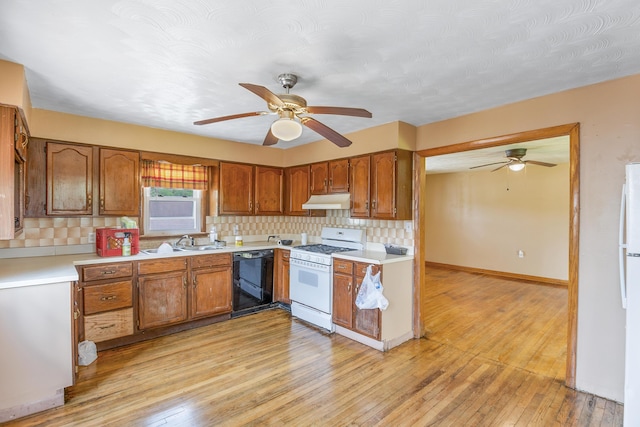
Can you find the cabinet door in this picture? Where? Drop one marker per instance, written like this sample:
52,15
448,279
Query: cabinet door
281,276
69,179
339,176
342,300
211,291
297,189
360,173
269,191
319,178
162,299
383,185
365,322
236,189
119,182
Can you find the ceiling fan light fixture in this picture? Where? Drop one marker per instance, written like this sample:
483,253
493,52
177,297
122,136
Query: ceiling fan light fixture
516,166
286,128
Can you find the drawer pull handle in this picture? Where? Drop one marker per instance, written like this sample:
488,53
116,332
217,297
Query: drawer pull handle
109,298
109,272
113,325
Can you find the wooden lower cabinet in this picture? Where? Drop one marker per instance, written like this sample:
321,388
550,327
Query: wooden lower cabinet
212,279
281,276
106,300
347,278
124,302
162,299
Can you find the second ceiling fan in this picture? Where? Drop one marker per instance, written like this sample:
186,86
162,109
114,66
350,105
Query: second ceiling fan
515,162
290,107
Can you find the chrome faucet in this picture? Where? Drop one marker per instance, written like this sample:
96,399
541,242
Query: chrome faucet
186,236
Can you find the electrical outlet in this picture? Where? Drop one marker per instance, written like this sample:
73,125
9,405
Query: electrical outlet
408,226
92,237
520,253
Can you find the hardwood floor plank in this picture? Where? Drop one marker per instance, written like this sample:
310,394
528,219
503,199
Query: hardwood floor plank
269,369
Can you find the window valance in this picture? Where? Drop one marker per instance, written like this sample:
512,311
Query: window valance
171,175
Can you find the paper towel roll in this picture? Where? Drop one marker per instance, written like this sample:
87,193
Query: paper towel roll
279,242
303,238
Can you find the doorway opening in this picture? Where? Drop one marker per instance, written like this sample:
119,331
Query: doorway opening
572,132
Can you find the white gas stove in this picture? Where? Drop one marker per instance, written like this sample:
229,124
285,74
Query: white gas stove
311,284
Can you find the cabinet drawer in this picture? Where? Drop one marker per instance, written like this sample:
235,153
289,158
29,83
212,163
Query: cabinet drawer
162,265
107,271
361,269
342,266
110,296
212,260
109,325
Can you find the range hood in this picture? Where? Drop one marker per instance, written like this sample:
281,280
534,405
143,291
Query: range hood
328,201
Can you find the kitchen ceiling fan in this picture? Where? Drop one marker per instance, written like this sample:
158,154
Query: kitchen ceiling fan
293,112
515,162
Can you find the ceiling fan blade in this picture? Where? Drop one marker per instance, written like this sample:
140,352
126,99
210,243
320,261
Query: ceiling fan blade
325,131
263,93
535,162
231,117
270,139
343,111
500,167
488,164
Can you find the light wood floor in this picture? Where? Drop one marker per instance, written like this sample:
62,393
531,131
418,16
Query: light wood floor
267,369
518,323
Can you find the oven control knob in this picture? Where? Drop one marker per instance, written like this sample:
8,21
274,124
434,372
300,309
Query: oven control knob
307,257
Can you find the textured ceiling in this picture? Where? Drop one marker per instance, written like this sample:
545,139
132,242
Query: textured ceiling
168,63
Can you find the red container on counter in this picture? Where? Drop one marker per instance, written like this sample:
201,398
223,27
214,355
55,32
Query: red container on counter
109,240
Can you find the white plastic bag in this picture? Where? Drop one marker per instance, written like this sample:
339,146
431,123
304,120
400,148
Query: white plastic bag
87,353
370,293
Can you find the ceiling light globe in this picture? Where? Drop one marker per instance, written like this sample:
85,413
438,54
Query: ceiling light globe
286,129
516,166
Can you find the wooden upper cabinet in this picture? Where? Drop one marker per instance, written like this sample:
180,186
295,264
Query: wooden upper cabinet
269,189
119,182
236,189
330,177
319,178
385,181
360,173
12,158
339,176
69,179
297,189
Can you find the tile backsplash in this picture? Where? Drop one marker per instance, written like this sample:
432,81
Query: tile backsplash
40,232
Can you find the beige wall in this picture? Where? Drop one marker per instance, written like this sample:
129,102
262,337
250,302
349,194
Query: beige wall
13,87
609,117
482,219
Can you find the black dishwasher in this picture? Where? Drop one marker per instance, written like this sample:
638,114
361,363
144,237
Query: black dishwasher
252,281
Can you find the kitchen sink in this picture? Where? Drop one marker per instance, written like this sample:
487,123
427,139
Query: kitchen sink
201,247
155,251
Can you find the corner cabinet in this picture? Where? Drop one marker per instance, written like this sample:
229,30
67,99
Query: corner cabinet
13,156
382,185
250,190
